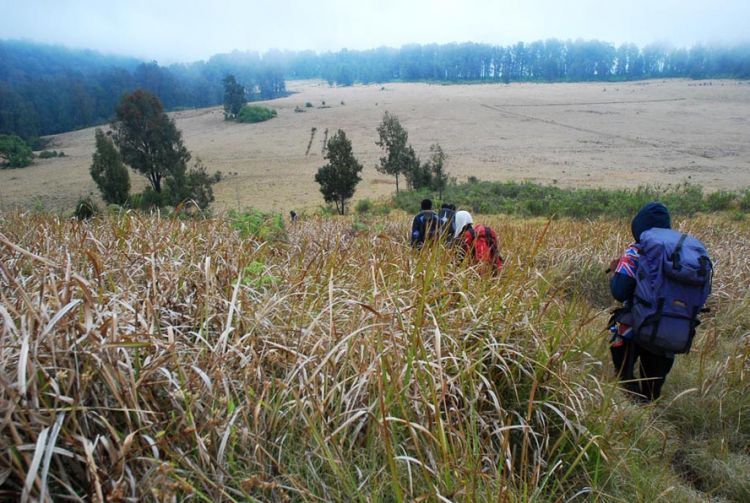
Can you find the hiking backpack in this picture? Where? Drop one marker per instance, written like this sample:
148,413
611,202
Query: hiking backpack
673,281
484,246
426,226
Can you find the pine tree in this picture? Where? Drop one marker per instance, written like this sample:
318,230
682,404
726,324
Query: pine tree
437,169
339,178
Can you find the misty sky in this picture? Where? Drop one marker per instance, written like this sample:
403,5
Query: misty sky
188,30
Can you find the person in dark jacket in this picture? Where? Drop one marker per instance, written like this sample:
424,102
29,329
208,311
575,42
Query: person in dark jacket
425,225
653,368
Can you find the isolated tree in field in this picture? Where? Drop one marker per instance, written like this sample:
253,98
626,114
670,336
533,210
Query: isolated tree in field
14,152
234,97
339,178
108,171
392,138
148,139
437,169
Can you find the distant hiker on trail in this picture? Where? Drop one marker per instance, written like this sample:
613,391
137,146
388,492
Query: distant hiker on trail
478,241
425,225
663,280
446,216
293,216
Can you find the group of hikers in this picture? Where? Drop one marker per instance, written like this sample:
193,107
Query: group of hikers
662,280
456,229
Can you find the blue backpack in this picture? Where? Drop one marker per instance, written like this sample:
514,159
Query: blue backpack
673,281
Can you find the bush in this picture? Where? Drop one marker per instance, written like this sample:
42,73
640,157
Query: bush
85,208
530,199
363,206
745,201
308,105
48,154
258,224
14,153
255,113
720,200
149,199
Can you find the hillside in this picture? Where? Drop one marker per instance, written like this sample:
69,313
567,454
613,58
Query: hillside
151,358
595,134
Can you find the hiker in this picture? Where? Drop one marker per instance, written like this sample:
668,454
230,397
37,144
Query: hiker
663,280
478,241
425,225
446,216
293,216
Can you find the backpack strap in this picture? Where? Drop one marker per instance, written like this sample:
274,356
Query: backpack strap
676,253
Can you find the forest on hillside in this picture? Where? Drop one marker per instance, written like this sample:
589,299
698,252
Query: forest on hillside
48,89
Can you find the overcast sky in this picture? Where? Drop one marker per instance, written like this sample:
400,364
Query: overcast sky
188,30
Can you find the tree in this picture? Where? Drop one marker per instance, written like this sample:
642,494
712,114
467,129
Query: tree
417,175
148,139
437,169
14,152
392,138
108,171
339,178
234,97
194,185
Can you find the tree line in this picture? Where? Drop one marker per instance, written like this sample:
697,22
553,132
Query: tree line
549,60
47,90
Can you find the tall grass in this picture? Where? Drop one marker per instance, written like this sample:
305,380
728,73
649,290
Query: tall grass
148,358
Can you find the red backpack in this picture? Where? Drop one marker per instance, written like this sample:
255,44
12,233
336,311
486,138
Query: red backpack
482,241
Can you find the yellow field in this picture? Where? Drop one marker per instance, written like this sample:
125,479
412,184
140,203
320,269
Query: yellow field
603,134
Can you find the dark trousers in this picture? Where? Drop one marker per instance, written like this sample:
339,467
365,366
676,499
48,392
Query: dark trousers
653,369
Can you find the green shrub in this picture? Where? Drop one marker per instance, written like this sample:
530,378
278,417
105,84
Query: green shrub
14,153
363,206
258,224
255,113
149,199
47,154
308,105
530,199
720,200
85,208
745,201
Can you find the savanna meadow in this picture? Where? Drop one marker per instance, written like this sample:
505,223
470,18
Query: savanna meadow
239,358
218,287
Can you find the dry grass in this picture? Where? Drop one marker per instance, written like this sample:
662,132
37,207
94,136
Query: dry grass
583,134
151,358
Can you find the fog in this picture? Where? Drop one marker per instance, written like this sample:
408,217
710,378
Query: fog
180,30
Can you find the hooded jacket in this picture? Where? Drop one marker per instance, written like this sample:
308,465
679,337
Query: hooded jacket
652,215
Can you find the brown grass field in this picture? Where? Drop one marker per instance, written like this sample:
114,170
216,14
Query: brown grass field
591,134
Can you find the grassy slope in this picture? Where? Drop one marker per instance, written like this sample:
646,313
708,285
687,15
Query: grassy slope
164,357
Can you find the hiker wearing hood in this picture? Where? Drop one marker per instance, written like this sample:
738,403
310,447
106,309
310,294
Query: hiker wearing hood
477,241
653,367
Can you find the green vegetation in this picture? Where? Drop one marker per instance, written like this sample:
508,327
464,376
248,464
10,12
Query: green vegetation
531,199
14,153
108,171
255,113
150,143
86,208
339,178
257,224
234,97
339,365
49,154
